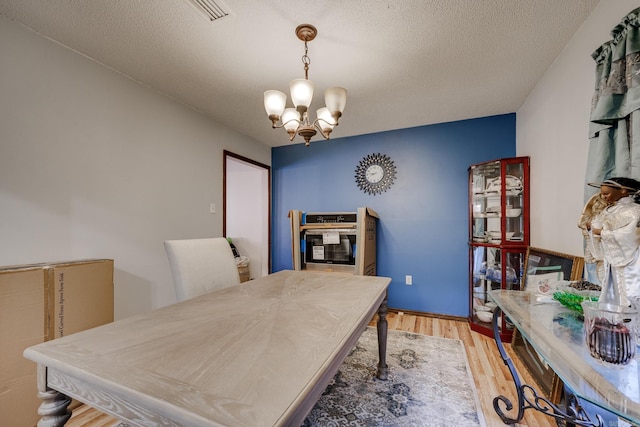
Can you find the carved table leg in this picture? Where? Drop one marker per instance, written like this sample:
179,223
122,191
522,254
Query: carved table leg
382,341
53,409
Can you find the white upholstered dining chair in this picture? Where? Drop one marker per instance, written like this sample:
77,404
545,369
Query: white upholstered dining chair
199,266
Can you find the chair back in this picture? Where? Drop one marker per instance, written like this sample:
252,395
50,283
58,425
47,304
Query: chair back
199,266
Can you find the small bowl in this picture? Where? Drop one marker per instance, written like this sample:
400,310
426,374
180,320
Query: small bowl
509,234
513,212
484,316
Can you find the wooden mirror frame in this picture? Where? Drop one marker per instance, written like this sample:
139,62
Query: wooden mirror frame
572,268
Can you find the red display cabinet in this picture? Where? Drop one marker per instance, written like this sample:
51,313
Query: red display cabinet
498,236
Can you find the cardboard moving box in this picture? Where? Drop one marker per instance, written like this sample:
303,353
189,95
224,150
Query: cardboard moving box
22,324
40,302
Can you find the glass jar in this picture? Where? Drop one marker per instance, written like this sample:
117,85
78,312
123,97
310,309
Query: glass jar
609,332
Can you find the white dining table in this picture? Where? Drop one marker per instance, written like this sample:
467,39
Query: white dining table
256,354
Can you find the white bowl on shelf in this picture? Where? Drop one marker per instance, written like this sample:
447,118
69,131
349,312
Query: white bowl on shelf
513,212
484,316
492,305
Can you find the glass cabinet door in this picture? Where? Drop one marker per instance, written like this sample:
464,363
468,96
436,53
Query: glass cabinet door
493,268
498,203
514,202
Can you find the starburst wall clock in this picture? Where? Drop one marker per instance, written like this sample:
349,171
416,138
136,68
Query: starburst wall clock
375,173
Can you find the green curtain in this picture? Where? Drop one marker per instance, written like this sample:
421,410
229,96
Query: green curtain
614,134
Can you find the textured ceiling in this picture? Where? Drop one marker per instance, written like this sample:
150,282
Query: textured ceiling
404,63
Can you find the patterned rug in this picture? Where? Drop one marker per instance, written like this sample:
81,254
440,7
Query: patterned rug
430,385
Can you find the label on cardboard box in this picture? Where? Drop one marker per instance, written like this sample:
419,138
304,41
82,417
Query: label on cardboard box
81,296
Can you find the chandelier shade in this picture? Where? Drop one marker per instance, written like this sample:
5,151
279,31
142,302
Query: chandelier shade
301,93
274,102
335,98
325,120
296,120
291,120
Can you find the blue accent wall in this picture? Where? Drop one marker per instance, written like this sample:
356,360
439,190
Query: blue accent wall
423,227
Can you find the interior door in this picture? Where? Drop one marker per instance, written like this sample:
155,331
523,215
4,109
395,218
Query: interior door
247,210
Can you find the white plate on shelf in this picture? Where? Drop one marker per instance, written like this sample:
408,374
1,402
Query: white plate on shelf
493,185
512,183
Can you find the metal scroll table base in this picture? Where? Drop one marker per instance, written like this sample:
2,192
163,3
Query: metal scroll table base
528,398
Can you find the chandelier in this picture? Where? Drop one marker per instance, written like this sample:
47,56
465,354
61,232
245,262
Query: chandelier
296,120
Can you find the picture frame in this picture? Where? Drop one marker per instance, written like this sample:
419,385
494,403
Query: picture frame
542,266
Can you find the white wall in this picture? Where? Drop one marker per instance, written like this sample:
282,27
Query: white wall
552,128
93,164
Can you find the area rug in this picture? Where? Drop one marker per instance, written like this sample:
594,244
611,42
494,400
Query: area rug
429,385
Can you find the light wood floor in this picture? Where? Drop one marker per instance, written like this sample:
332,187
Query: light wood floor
492,378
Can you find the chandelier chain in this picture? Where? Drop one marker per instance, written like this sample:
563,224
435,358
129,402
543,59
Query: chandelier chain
306,61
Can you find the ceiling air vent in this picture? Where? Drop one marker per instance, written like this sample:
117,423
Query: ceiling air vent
212,10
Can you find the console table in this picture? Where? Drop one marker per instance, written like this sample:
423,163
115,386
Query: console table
556,333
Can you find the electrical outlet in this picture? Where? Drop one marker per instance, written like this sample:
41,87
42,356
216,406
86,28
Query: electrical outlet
212,208
408,280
